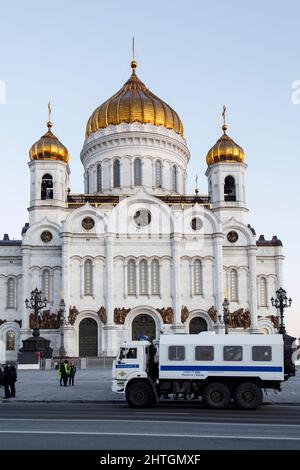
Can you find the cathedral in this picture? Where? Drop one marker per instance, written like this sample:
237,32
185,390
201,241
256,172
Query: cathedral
134,254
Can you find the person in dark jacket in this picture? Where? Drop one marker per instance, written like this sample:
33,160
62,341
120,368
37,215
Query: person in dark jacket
72,374
1,377
13,371
7,380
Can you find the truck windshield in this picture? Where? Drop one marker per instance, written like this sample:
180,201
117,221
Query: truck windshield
128,353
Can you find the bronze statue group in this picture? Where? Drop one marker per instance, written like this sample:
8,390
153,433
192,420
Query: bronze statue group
8,378
66,373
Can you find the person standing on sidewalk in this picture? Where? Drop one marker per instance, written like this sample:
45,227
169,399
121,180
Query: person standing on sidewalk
64,372
72,374
12,387
7,380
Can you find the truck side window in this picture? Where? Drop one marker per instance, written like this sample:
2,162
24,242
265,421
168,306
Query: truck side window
233,353
204,353
176,353
131,353
261,353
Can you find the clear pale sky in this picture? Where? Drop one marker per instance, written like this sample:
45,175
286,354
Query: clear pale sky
196,55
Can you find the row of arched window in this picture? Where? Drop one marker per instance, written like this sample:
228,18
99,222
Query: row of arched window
11,298
233,289
137,175
140,269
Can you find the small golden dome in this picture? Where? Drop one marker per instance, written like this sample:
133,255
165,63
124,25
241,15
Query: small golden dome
49,148
134,103
225,150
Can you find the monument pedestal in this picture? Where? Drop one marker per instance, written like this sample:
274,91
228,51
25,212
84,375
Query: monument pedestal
34,348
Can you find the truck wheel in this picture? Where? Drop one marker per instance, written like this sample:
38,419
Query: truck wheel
248,396
139,395
216,395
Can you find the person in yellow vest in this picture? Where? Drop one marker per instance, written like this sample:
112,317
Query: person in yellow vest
64,372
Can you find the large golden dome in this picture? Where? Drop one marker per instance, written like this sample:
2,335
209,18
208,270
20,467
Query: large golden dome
134,103
225,150
48,147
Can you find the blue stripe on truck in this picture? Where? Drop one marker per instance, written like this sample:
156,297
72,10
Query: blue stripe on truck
222,368
126,366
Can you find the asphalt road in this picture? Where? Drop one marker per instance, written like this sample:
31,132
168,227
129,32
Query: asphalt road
175,426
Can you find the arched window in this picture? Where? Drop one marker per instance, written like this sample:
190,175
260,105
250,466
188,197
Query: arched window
197,277
158,174
229,189
10,340
88,277
131,278
174,179
11,293
117,178
46,283
155,277
47,187
99,178
143,278
233,285
137,172
263,292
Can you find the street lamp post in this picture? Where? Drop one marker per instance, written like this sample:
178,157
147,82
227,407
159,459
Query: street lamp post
225,314
281,302
36,303
63,323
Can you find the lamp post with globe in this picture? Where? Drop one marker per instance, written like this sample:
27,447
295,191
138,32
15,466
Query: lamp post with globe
225,314
35,347
281,302
36,303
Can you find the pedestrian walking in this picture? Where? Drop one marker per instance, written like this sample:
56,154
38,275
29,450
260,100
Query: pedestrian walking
7,380
12,387
72,374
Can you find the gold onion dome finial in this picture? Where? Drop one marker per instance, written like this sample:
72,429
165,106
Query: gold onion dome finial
225,149
134,103
48,147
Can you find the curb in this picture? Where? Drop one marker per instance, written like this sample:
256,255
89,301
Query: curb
171,402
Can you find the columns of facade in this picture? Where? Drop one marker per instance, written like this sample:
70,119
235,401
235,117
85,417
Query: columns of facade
25,289
65,274
252,294
110,328
109,286
218,272
176,287
279,268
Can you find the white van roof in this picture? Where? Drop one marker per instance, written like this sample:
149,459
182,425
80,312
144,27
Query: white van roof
230,339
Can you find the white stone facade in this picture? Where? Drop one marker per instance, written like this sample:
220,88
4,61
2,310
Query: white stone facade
119,269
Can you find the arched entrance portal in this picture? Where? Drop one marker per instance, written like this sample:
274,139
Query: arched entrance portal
143,325
88,338
197,324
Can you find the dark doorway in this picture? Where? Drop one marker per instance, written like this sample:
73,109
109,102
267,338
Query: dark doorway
88,338
143,325
197,325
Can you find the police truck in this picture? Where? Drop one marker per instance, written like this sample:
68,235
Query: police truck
218,368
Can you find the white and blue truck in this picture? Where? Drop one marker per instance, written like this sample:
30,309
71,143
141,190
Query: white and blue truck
218,368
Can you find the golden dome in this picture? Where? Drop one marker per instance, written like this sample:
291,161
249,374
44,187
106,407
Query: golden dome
49,148
134,103
225,150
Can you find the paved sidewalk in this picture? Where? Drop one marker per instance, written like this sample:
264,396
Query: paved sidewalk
95,385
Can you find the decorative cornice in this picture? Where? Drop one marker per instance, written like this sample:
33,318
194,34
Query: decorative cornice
134,127
126,135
